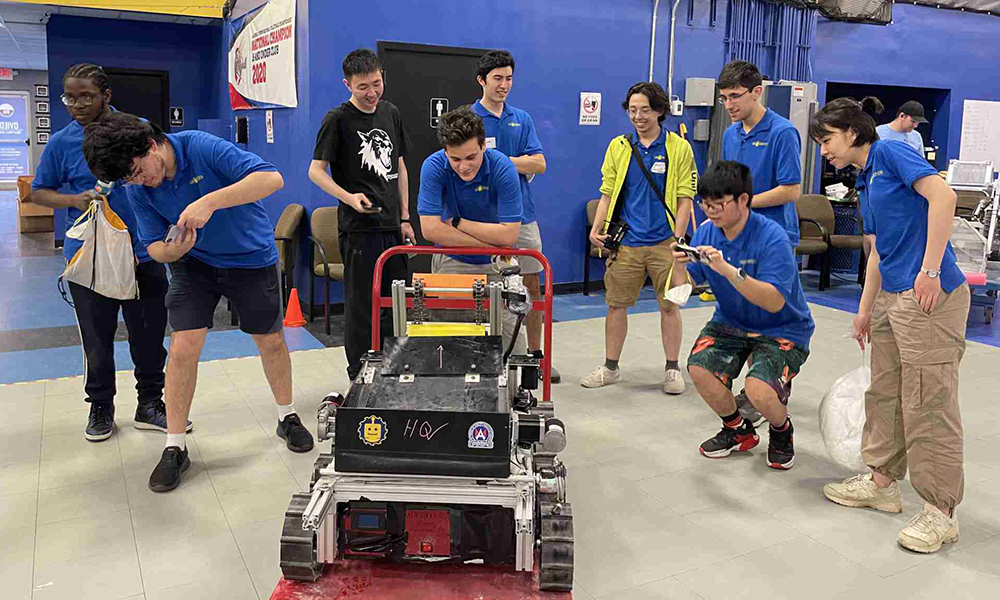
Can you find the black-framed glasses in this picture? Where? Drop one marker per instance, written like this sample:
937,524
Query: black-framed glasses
131,179
714,206
732,97
84,100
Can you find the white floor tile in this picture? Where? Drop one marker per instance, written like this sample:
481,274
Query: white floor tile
664,589
232,585
260,544
66,385
16,561
19,477
92,498
258,503
248,471
100,577
96,534
175,560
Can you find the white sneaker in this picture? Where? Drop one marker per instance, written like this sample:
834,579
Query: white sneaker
860,491
928,530
600,377
673,382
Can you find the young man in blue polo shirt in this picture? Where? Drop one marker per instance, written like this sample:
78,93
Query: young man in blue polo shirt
87,96
212,191
769,144
761,318
470,196
511,131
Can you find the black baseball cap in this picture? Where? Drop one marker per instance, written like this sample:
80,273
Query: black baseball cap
914,109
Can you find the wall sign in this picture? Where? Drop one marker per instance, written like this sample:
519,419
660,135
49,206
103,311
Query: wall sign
42,91
262,57
43,137
176,116
439,106
42,122
590,108
42,108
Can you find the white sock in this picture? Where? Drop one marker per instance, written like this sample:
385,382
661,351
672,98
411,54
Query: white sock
284,410
177,439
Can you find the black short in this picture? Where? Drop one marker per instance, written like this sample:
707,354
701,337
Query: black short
195,290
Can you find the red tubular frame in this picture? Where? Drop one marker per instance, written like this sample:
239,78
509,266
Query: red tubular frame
545,305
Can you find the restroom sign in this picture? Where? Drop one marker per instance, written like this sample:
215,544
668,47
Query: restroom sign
439,106
176,116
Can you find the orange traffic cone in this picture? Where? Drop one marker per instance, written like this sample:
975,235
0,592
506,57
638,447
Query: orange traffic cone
293,316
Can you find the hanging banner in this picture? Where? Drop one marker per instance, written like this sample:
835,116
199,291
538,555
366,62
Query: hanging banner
262,57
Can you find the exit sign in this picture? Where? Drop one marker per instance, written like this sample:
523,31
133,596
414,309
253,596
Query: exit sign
6,74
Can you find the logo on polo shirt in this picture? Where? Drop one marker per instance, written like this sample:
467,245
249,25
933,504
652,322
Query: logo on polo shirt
482,188
376,152
874,175
196,179
660,157
758,144
512,124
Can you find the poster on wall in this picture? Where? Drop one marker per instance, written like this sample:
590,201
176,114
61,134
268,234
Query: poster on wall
13,135
262,57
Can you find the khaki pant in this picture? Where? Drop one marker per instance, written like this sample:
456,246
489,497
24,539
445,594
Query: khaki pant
911,407
627,270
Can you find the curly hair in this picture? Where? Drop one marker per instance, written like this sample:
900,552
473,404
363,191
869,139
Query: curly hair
112,143
459,126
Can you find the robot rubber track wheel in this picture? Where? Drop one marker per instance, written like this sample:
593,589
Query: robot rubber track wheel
298,547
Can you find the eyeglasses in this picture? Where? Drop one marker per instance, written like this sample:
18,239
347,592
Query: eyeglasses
713,206
732,97
644,111
132,179
83,101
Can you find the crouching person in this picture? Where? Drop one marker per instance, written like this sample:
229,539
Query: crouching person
762,315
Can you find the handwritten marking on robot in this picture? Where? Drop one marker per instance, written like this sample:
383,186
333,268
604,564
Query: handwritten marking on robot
426,430
440,357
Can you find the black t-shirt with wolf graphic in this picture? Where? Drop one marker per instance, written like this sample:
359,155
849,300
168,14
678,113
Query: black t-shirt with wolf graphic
363,151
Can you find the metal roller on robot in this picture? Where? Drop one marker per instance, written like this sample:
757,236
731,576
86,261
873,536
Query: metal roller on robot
976,239
444,469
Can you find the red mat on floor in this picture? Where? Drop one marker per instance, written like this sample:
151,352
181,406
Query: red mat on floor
364,580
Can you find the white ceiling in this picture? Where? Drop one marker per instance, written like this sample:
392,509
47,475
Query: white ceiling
22,42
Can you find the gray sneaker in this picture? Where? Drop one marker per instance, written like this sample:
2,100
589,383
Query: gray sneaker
747,411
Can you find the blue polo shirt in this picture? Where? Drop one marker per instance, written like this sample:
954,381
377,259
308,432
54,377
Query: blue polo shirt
63,164
493,195
773,151
897,216
762,249
512,133
642,208
237,237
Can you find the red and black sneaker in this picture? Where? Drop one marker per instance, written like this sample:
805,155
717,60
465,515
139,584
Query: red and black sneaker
728,440
780,450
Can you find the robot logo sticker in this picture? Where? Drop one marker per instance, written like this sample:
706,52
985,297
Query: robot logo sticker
481,435
373,430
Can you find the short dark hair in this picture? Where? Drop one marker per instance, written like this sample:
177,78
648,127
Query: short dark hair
459,126
112,143
658,100
94,73
845,114
361,62
494,59
740,73
726,178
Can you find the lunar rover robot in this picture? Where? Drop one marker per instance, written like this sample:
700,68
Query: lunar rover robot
441,451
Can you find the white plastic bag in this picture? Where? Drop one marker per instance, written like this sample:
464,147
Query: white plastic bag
842,417
105,263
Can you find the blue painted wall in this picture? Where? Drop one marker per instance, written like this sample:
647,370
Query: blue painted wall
186,51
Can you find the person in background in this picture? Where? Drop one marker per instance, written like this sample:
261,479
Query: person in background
197,199
87,97
511,131
653,198
362,142
913,311
904,127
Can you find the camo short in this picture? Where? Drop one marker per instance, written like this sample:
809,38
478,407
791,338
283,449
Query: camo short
722,350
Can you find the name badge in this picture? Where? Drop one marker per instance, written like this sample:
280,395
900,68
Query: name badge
659,167
491,142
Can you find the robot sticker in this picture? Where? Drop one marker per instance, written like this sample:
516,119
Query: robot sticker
373,430
481,435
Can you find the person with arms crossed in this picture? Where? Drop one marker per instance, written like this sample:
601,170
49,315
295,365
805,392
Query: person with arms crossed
87,96
210,191
913,311
511,131
762,317
653,199
362,142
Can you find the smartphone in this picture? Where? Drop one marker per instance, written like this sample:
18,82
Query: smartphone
173,234
373,210
692,252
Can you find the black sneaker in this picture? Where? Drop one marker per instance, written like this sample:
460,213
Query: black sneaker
167,474
101,423
780,450
296,437
747,411
154,417
728,440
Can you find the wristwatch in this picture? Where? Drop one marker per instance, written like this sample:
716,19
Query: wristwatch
404,220
740,276
932,273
